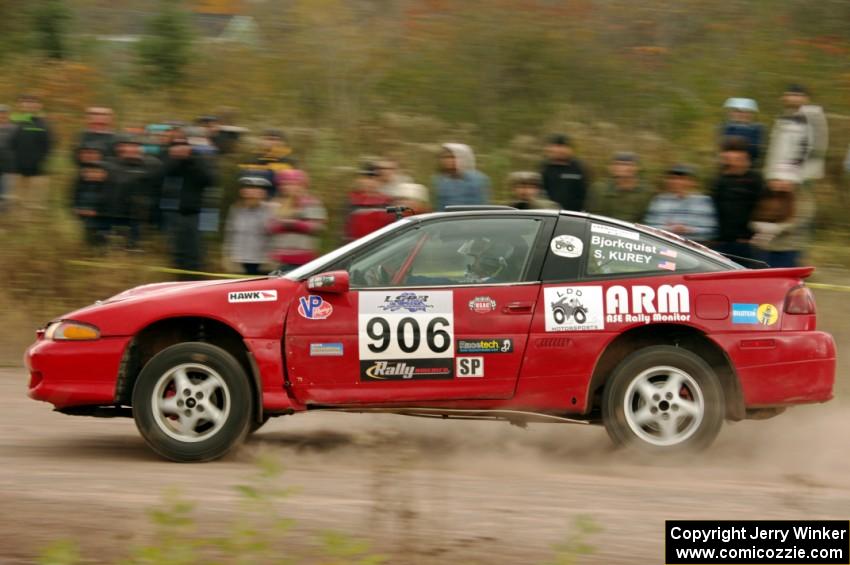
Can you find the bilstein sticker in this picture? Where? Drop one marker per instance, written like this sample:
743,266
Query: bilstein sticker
252,296
764,314
568,246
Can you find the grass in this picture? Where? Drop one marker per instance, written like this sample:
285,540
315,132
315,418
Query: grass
260,532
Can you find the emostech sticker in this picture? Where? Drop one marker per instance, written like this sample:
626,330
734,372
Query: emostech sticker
314,307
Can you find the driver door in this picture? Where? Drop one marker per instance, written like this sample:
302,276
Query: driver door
416,326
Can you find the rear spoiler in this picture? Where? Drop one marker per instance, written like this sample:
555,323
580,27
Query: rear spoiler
788,272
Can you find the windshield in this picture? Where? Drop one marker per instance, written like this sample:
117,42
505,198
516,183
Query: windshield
319,263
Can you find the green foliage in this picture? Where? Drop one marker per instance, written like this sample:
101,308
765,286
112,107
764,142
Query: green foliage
60,552
571,550
50,21
165,50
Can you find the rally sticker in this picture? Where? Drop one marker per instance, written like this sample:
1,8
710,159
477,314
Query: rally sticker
487,345
252,296
644,304
326,349
423,369
764,314
482,305
574,308
470,367
568,246
617,232
406,335
314,307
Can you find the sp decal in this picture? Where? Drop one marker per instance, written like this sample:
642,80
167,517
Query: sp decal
470,367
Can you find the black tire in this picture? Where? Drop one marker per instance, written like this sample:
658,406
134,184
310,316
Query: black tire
559,315
255,425
233,389
690,432
580,316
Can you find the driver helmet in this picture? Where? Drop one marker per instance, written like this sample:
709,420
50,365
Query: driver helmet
486,258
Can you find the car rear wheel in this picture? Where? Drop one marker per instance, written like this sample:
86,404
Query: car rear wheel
663,398
192,402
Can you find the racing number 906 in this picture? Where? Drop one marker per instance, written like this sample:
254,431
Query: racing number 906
436,337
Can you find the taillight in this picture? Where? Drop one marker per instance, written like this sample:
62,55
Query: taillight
800,301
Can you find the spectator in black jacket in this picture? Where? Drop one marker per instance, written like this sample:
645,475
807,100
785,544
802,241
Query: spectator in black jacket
99,132
91,188
135,176
565,178
187,177
736,191
31,143
7,158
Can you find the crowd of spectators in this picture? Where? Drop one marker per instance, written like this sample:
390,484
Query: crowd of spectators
164,178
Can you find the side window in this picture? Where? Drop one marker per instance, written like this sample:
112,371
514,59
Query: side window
615,250
450,252
566,250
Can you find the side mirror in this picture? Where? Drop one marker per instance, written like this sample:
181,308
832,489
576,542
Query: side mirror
336,282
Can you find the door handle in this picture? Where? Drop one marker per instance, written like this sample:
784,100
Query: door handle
518,308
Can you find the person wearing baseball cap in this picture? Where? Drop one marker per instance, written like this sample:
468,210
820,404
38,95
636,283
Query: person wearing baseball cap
246,236
740,123
564,177
623,195
682,210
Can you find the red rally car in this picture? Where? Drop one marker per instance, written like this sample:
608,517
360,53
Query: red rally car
486,312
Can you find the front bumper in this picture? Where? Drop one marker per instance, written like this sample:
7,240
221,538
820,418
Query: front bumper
75,373
782,368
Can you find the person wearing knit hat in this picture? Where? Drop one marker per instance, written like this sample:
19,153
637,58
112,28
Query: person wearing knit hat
623,195
564,177
525,186
297,221
740,122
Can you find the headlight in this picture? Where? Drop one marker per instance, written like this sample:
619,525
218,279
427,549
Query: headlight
71,331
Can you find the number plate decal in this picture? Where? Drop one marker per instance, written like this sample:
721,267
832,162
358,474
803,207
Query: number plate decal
407,335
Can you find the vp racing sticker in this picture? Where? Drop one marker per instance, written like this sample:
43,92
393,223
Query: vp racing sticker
314,307
405,335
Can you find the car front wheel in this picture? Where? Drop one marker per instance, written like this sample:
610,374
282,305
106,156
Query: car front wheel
663,398
192,402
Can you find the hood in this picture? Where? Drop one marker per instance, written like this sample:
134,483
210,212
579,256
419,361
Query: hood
464,157
169,288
